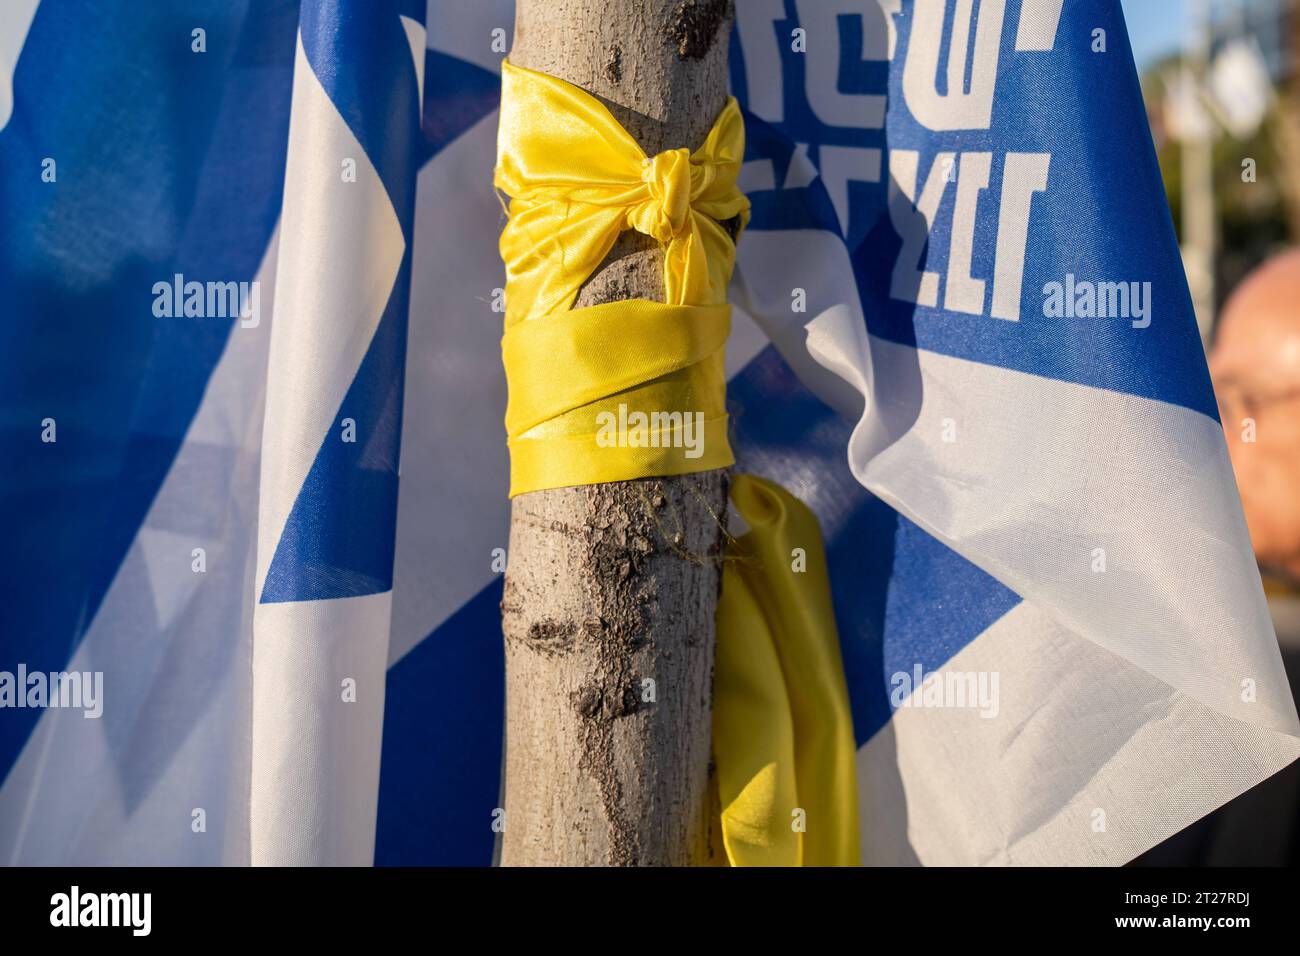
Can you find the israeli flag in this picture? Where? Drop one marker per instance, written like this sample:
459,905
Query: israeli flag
249,265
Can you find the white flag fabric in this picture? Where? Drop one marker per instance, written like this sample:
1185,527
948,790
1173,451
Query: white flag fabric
250,250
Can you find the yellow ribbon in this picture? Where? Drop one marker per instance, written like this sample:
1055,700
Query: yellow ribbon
782,731
576,180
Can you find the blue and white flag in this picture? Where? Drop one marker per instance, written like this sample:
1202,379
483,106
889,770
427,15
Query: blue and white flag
248,263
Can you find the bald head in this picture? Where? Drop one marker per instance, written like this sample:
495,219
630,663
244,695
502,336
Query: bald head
1256,368
1259,332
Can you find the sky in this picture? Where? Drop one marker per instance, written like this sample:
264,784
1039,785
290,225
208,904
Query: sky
1155,27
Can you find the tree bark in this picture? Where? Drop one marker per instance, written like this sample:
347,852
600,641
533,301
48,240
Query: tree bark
611,589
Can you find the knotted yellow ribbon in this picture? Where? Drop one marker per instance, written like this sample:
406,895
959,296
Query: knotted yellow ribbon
782,734
576,179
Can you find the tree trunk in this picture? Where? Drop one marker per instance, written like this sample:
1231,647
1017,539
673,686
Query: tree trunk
611,589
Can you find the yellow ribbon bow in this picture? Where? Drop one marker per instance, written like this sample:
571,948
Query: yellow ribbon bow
782,733
576,179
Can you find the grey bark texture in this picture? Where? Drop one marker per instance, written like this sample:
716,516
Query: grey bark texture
611,590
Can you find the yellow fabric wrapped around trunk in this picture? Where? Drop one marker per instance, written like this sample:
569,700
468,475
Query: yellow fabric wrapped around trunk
576,179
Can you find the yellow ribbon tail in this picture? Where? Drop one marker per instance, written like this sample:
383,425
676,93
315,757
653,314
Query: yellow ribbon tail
782,730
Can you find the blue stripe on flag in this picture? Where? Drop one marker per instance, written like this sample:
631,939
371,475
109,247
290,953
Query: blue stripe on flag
338,540
458,94
443,722
360,54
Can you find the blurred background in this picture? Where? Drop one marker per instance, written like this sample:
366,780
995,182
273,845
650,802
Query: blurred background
1222,91
1221,80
